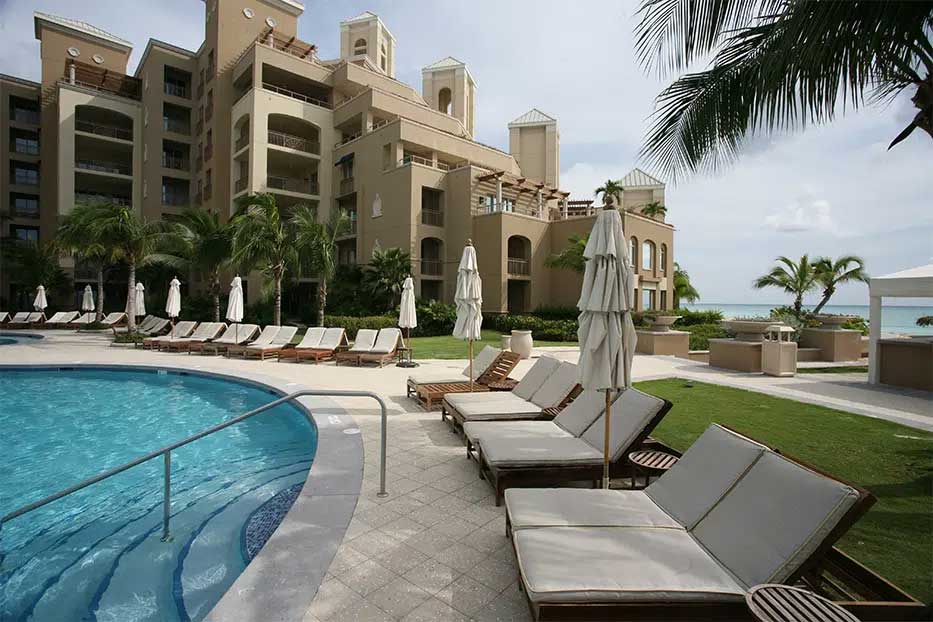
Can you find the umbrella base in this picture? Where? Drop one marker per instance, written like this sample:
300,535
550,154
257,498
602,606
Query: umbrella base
408,364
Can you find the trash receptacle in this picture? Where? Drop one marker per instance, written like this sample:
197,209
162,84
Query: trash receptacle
778,352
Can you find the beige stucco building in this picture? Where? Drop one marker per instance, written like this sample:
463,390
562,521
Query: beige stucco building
255,109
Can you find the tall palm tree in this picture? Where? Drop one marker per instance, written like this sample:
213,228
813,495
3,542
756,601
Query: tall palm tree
683,288
317,244
136,241
611,192
776,64
571,258
76,235
794,277
206,244
829,274
264,238
385,273
654,209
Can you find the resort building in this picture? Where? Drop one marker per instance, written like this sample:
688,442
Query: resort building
255,109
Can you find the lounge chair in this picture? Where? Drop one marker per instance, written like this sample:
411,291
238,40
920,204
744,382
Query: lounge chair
141,326
333,341
364,342
554,389
85,319
508,462
731,514
182,330
490,366
384,349
207,331
36,319
481,362
281,339
19,320
117,318
235,335
264,338
310,340
61,319
158,326
4,317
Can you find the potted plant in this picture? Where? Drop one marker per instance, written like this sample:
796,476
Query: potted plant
662,322
750,328
833,321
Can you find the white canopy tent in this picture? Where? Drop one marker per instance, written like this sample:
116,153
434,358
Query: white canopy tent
912,283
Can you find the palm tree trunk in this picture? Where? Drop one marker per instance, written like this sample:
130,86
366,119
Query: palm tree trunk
100,292
827,294
798,305
215,285
321,301
131,297
278,299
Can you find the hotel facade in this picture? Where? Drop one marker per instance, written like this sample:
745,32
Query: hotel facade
255,109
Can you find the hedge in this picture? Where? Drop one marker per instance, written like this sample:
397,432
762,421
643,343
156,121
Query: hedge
700,334
547,330
354,324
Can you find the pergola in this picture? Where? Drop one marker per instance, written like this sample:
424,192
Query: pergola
912,283
520,185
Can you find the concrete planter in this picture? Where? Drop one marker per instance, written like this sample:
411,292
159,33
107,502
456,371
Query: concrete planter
662,323
522,343
749,330
834,322
505,342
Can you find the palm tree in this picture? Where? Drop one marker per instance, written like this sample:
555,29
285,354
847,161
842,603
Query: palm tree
654,209
206,245
795,278
264,238
75,235
385,273
317,244
683,288
133,239
775,64
611,192
36,264
829,274
571,258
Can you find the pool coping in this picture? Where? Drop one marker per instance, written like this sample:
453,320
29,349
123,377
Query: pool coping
284,577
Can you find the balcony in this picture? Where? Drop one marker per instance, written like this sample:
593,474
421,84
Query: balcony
347,186
290,184
174,200
175,162
100,129
289,141
91,198
98,79
25,178
24,146
242,142
432,217
176,90
240,185
23,115
518,267
289,45
103,166
294,95
441,166
176,125
432,267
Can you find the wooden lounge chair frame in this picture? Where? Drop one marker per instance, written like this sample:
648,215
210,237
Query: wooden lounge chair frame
502,477
827,571
259,352
455,418
431,394
315,355
214,348
184,346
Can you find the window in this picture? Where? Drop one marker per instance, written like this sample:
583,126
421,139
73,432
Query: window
174,191
382,58
432,207
26,143
24,205
211,67
431,289
647,300
24,175
662,262
24,110
177,82
24,233
443,100
647,255
359,47
633,251
663,300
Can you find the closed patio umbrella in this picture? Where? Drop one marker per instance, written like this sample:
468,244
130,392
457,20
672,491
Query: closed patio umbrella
606,334
235,305
140,303
469,301
87,299
173,303
407,316
40,303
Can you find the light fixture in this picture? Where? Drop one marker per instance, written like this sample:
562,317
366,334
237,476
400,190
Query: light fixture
98,59
249,13
271,23
74,52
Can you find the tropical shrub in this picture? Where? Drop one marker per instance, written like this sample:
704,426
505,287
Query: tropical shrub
926,320
434,318
556,312
547,330
344,298
857,323
689,318
700,334
354,324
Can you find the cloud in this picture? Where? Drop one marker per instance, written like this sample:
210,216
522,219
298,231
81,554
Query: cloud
803,215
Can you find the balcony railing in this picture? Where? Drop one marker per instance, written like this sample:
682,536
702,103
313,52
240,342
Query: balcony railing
100,79
519,267
24,147
175,200
290,45
103,166
241,142
92,198
289,141
347,186
176,125
175,162
110,131
290,184
299,96
432,217
432,267
352,225
176,90
240,185
29,117
21,178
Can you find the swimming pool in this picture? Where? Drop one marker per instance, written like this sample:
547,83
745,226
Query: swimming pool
9,339
97,554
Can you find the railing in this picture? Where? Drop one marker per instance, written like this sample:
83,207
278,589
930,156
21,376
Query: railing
352,226
24,147
21,115
349,138
240,185
111,131
176,90
241,142
432,217
289,141
103,166
347,186
432,267
305,98
381,123
304,186
175,125
91,199
293,46
103,80
175,200
166,454
441,166
175,162
21,178
519,267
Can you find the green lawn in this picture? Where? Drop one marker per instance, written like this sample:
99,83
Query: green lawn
836,369
446,347
894,462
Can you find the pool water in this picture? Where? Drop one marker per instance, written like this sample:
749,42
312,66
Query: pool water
9,339
98,554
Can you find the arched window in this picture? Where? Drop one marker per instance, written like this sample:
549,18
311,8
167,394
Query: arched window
662,261
359,47
647,255
519,259
443,100
633,251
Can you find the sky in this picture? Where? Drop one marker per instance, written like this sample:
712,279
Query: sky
827,190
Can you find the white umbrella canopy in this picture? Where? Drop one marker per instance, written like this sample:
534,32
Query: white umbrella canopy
606,333
87,299
140,300
407,316
469,301
40,303
235,303
173,302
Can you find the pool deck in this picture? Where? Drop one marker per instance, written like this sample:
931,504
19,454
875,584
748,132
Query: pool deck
435,548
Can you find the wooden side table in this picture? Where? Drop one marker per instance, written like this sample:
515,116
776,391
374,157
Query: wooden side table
785,603
652,462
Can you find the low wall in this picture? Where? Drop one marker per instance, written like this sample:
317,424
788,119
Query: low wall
836,345
669,342
736,355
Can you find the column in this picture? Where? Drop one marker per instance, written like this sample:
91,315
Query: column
563,207
874,334
540,205
498,194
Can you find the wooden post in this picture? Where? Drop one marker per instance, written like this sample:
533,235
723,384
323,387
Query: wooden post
606,440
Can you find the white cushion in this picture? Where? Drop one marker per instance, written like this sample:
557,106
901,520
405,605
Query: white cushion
284,336
557,387
517,452
457,399
481,362
365,338
773,519
237,333
536,376
705,473
579,507
333,337
570,564
509,405
266,336
581,412
631,412
435,378
386,341
477,430
312,337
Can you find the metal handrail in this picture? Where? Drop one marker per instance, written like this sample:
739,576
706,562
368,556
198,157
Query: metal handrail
166,453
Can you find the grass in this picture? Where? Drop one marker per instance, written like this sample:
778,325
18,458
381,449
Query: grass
853,369
894,462
447,347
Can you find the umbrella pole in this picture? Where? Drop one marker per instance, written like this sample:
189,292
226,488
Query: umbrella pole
173,328
606,441
471,365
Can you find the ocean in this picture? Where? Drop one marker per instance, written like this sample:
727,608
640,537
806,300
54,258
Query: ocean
901,320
